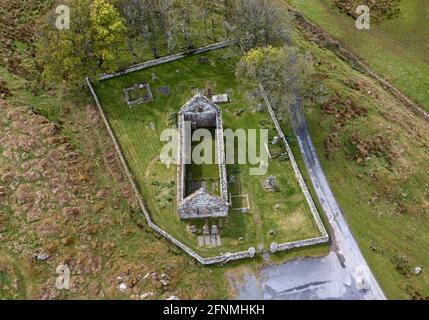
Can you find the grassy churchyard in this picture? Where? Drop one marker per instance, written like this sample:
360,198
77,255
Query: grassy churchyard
279,216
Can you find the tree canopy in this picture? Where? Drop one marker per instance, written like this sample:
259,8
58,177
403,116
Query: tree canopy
88,47
281,70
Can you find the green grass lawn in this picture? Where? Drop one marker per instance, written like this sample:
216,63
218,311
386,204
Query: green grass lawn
397,49
138,130
138,93
206,173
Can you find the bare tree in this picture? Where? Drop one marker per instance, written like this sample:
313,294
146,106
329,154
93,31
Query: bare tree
257,22
132,12
212,11
147,19
183,9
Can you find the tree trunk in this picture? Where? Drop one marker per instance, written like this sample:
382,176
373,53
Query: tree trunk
214,30
205,28
131,49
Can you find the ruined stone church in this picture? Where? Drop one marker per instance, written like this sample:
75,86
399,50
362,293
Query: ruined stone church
196,202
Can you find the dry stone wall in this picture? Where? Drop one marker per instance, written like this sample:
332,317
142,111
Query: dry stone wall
166,59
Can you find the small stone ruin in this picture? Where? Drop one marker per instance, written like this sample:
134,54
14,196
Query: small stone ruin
270,184
220,98
141,98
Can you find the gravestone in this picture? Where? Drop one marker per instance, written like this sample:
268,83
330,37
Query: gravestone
203,59
200,241
275,140
237,112
220,98
270,184
154,77
164,90
264,165
214,236
231,179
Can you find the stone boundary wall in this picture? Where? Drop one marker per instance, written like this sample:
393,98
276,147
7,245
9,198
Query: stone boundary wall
322,38
206,261
221,157
177,56
298,244
324,235
181,167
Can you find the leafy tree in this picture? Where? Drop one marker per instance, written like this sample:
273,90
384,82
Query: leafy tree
89,47
108,31
281,71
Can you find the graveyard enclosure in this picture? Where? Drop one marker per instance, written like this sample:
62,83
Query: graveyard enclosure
257,217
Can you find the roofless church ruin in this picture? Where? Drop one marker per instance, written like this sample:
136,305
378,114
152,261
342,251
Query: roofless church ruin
201,189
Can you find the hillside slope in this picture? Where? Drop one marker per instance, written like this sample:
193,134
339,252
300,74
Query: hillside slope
64,200
396,48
